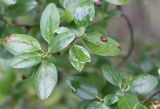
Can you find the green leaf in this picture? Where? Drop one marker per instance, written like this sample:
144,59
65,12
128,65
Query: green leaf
78,57
140,106
50,21
70,6
78,31
20,43
84,14
65,15
97,105
5,54
159,71
61,30
8,2
61,41
45,79
102,45
82,88
144,84
25,60
111,75
119,2
111,99
21,7
128,102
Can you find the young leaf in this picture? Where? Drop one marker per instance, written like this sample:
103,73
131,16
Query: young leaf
140,106
128,102
20,8
82,88
50,21
97,105
84,14
25,60
102,45
111,99
78,57
20,43
144,84
45,79
61,41
119,2
111,75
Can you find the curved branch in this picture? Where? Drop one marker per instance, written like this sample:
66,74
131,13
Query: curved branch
131,31
150,97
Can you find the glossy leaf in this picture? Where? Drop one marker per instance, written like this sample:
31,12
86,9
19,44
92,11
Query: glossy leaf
8,2
84,14
45,80
25,60
159,71
78,31
82,88
20,8
78,57
111,75
61,30
61,41
97,105
140,106
101,45
50,21
119,2
144,84
128,102
20,43
111,99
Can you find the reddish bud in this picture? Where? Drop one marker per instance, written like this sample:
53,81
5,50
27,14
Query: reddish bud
155,104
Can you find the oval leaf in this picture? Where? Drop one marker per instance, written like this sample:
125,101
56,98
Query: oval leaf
78,57
97,105
140,106
25,60
20,8
84,14
128,102
119,2
82,88
111,75
144,84
50,21
61,41
102,45
8,2
20,43
45,79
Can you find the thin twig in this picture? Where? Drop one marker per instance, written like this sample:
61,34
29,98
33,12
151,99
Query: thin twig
131,31
150,97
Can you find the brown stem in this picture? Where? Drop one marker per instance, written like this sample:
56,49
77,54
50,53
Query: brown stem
150,97
131,31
